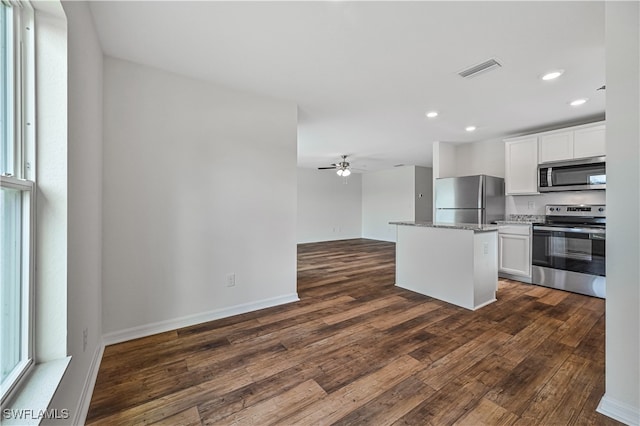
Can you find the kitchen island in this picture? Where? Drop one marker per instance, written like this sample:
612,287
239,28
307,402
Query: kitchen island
455,263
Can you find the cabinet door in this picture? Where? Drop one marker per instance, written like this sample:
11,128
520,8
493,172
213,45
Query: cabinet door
521,166
556,147
589,142
514,254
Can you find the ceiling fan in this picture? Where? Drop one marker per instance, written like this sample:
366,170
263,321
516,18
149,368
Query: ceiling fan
342,167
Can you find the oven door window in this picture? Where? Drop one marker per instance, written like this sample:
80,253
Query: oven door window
570,251
593,174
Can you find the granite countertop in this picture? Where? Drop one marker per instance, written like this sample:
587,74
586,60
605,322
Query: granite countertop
513,222
464,226
521,219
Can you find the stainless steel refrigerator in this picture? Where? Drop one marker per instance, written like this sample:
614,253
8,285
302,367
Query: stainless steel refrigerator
469,199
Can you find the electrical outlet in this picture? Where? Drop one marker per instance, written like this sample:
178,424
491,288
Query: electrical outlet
531,205
231,280
485,246
85,336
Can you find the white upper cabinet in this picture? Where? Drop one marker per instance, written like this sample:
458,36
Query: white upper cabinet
556,146
521,166
523,154
589,142
575,142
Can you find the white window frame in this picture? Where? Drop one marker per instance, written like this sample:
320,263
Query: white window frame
27,188
23,179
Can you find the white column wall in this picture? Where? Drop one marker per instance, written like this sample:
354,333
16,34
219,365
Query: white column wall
622,370
84,212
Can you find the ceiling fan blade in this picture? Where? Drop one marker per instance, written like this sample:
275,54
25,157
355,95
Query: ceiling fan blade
326,168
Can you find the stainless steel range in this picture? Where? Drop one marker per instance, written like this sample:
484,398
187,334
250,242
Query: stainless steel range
569,249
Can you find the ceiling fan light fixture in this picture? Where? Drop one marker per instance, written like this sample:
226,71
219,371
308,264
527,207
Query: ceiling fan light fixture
346,172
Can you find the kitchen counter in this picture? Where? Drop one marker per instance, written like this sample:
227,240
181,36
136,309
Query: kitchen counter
455,263
464,226
522,219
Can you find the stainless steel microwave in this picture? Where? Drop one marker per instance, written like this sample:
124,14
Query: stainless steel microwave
574,175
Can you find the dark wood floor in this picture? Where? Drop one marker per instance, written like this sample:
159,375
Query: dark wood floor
358,350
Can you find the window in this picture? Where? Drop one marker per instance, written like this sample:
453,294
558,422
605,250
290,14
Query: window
17,192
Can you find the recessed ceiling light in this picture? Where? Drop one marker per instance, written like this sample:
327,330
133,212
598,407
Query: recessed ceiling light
470,128
552,75
432,114
578,102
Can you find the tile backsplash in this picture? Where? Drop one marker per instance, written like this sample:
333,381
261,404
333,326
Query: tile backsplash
533,218
535,204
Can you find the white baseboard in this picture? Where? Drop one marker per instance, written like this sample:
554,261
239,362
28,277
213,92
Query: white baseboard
619,411
82,408
186,321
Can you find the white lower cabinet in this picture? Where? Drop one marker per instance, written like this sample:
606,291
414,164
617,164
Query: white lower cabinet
514,252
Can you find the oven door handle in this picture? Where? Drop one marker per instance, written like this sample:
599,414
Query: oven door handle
574,230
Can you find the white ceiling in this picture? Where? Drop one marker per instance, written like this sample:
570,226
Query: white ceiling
364,73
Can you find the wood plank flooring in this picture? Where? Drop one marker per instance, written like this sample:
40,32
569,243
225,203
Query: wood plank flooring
358,350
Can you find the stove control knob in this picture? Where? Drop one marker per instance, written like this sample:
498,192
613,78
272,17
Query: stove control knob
601,209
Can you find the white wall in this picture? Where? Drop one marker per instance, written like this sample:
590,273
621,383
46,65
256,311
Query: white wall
444,160
330,210
199,182
84,269
444,165
465,159
480,158
477,158
387,195
329,207
51,165
622,398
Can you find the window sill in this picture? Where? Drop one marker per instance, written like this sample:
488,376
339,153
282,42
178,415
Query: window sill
29,407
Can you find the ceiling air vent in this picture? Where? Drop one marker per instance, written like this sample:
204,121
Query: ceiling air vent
477,69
